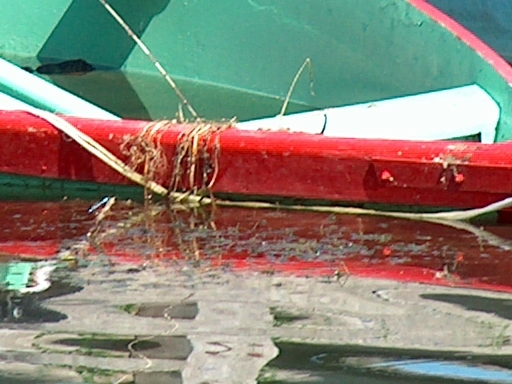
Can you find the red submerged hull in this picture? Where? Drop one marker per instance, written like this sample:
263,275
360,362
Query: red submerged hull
304,244
280,164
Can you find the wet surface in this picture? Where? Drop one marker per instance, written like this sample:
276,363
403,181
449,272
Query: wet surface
78,66
310,363
154,296
498,307
17,308
182,311
145,95
264,240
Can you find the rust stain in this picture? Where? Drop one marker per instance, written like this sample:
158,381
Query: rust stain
449,159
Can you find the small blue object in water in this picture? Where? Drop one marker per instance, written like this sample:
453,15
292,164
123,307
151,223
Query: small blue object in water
452,370
98,205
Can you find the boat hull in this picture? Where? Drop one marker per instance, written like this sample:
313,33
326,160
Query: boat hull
260,163
239,58
488,19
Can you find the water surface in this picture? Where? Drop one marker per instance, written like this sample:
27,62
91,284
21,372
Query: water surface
160,296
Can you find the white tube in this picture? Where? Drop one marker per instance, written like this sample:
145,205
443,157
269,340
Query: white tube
440,115
41,94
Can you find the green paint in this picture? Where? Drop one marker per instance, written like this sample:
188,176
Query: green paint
30,188
141,95
239,57
97,375
15,276
132,309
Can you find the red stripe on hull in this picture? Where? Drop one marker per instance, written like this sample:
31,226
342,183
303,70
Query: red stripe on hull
282,164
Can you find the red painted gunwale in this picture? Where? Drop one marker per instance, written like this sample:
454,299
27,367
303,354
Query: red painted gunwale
451,174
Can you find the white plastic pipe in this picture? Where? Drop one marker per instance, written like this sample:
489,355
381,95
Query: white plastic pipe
440,115
37,92
9,103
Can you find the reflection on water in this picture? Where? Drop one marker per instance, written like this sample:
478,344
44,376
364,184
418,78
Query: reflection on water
313,363
153,296
21,294
157,347
268,241
498,307
184,310
143,96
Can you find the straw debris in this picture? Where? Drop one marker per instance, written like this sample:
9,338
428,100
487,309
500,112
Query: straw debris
193,167
145,151
196,162
307,63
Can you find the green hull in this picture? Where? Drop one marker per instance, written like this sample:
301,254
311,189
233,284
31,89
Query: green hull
31,188
238,58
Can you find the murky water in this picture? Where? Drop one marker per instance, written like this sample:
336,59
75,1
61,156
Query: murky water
264,240
310,363
141,95
240,296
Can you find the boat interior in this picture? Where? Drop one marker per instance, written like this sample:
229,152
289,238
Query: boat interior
375,69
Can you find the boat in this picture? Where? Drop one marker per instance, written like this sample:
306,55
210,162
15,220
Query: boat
374,134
